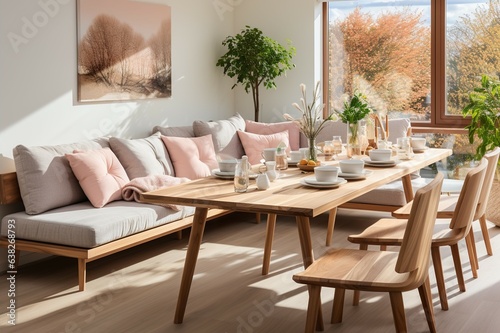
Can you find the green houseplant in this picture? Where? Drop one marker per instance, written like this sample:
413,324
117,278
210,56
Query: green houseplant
255,59
355,109
484,111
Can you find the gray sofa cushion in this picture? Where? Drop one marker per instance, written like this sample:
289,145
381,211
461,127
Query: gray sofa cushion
45,178
82,225
142,157
180,131
224,135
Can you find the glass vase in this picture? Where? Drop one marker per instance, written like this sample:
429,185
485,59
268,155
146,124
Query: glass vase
353,140
312,154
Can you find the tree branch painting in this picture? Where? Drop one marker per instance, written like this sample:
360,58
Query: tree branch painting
124,50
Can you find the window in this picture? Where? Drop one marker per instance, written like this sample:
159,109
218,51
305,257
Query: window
411,58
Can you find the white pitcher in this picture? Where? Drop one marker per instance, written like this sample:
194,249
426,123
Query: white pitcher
263,182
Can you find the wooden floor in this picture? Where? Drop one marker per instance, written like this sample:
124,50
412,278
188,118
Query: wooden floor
136,290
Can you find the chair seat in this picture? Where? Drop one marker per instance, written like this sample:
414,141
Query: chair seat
390,232
356,269
384,232
447,205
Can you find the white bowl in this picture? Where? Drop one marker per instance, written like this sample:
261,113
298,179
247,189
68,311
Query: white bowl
326,173
352,166
227,165
418,143
380,154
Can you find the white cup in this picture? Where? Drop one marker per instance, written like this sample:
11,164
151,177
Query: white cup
327,173
418,143
352,166
227,165
296,155
269,154
380,154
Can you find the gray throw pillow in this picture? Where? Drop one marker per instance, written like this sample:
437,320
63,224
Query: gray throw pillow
142,157
45,177
224,135
179,131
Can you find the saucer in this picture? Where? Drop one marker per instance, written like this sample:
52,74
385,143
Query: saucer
356,176
421,150
229,175
380,164
312,182
217,172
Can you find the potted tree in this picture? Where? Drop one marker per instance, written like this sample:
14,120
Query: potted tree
255,59
484,110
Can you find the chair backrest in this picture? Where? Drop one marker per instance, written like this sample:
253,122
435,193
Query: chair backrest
469,197
492,158
417,239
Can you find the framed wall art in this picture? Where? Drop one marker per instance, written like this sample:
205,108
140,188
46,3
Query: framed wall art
124,50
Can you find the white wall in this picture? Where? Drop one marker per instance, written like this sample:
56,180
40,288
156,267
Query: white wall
38,87
298,21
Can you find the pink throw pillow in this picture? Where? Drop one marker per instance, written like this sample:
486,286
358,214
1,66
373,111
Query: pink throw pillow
192,158
100,175
271,128
254,144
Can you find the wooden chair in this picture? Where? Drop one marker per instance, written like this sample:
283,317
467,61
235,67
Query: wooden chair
448,203
387,232
385,271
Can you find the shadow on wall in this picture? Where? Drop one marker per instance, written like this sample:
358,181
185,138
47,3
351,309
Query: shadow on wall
38,57
126,120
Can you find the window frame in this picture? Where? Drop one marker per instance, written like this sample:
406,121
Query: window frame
439,119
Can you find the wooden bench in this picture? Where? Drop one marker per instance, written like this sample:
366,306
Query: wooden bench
10,194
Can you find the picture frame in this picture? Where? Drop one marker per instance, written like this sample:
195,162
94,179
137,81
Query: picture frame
124,50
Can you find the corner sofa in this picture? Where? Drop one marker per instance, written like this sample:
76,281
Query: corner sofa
62,217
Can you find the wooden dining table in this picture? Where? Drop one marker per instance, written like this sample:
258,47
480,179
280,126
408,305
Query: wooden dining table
286,196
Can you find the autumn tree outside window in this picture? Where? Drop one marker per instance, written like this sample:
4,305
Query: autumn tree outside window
416,59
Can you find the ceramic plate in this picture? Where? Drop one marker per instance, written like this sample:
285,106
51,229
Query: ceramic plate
312,182
356,176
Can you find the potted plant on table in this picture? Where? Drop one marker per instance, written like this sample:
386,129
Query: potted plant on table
484,112
355,109
255,59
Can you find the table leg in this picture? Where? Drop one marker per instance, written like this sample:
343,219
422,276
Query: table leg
332,214
271,225
304,226
408,188
199,220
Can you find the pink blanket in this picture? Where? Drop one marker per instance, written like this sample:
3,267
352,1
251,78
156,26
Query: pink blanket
132,190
